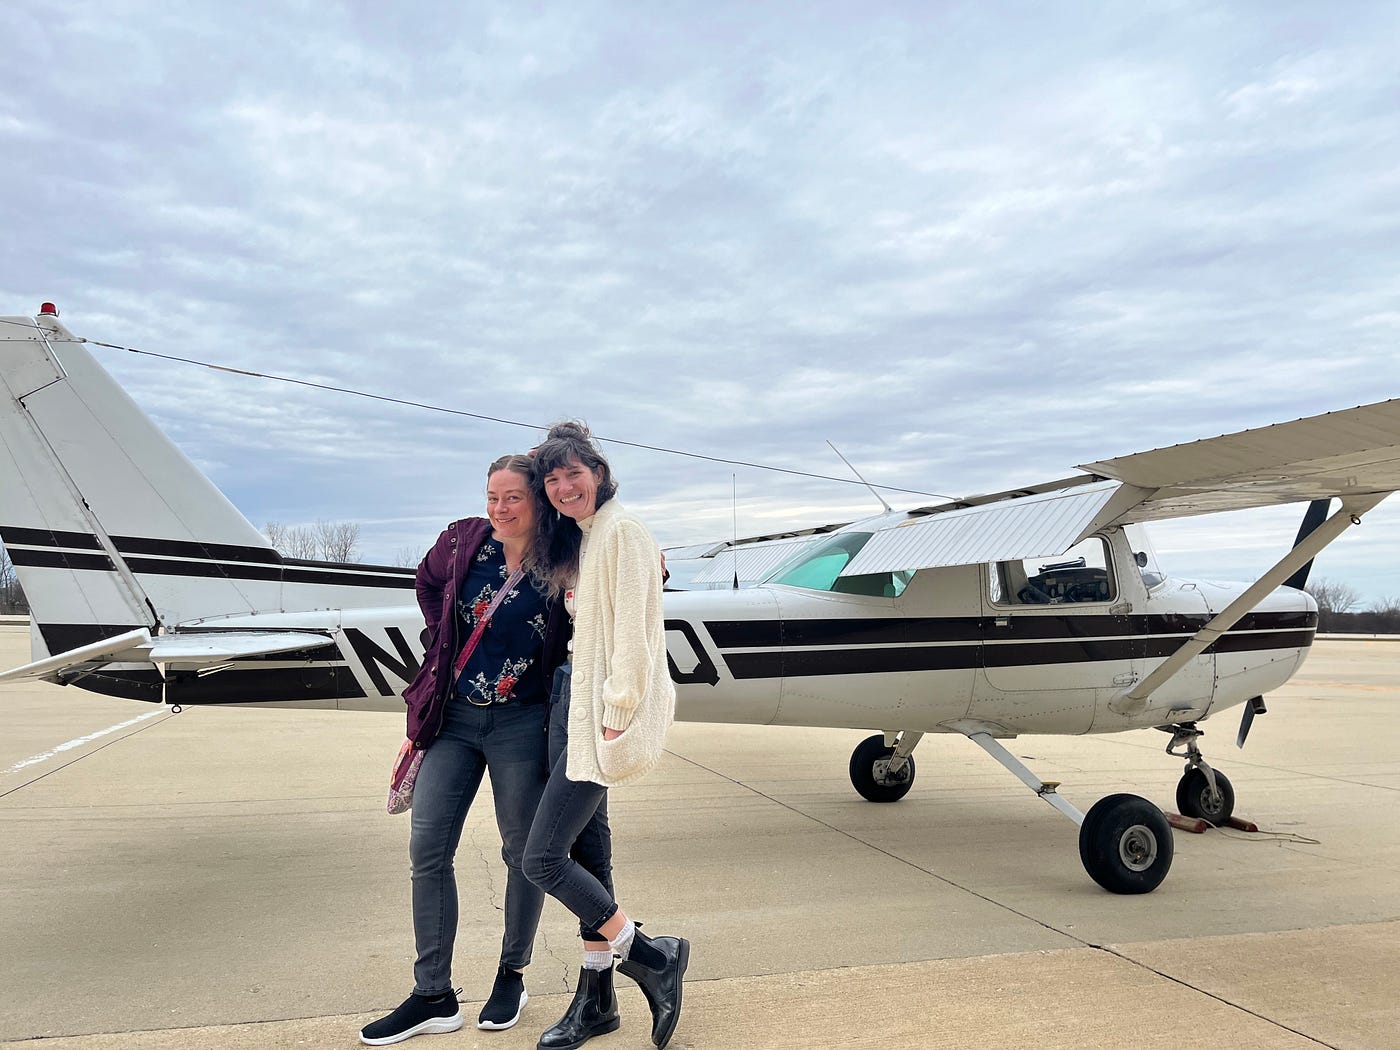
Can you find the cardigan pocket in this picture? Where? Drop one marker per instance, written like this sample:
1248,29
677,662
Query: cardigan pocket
631,755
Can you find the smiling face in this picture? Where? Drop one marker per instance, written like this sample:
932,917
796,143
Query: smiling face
573,489
509,505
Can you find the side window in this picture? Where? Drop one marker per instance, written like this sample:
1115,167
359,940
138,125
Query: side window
1083,574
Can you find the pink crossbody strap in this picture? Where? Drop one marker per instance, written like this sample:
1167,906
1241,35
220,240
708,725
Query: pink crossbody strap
467,649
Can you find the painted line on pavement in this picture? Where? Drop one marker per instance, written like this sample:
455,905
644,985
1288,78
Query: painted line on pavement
79,742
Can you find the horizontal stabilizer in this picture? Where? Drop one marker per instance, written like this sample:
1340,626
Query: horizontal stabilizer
186,651
94,655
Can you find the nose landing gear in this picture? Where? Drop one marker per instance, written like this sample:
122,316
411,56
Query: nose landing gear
1202,792
884,772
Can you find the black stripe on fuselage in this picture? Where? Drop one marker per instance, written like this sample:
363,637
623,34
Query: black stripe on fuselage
154,557
341,577
231,686
251,685
813,662
224,552
323,677
144,684
754,634
1045,640
192,549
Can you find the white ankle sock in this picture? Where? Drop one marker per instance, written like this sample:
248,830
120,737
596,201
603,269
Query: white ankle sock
597,960
622,943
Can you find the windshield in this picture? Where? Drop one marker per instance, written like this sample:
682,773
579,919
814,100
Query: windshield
817,567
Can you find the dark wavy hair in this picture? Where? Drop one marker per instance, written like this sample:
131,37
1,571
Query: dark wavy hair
556,536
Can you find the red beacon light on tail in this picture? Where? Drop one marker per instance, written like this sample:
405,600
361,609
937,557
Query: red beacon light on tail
48,308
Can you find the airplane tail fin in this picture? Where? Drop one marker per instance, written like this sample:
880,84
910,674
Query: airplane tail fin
112,529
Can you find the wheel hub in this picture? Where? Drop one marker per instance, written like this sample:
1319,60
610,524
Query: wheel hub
880,772
1137,848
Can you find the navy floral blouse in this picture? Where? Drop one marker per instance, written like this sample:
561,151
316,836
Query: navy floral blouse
505,666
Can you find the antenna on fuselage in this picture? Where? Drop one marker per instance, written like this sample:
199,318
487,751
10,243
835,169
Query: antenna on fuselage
734,503
857,473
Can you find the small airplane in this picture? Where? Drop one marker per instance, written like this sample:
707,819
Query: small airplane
1036,610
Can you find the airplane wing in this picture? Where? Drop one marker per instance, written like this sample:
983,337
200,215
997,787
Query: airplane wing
1354,453
183,651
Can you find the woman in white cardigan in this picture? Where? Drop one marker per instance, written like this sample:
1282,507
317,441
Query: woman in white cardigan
610,711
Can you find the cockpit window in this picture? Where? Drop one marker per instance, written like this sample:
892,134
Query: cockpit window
817,567
1082,574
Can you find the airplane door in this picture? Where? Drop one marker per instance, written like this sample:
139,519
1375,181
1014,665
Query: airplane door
1056,641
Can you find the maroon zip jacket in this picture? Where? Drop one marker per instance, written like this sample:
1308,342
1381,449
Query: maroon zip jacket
440,577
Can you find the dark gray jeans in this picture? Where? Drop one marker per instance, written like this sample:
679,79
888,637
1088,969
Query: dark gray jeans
569,852
509,741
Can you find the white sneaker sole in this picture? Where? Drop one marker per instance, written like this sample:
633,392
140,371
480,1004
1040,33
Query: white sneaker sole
501,1026
432,1026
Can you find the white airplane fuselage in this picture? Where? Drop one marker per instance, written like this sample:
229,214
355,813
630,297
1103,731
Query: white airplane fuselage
943,656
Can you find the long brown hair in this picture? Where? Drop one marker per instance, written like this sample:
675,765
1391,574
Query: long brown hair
524,466
557,536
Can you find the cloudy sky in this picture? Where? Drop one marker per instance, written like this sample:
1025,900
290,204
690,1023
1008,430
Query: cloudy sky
972,245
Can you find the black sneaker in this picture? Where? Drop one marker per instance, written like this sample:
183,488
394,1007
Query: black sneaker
416,1015
508,998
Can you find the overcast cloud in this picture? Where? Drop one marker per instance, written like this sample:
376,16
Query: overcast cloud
971,244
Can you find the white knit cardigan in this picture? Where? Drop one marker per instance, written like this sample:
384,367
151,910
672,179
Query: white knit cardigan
621,678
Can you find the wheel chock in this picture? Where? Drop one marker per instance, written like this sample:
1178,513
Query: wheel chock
1195,825
1241,825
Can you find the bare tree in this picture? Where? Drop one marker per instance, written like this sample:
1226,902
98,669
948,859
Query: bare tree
407,557
1387,606
12,598
337,540
325,540
1333,596
293,541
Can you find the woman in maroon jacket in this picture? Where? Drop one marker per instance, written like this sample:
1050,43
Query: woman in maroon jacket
490,719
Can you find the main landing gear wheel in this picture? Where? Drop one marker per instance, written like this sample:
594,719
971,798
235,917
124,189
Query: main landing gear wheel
1194,798
1126,844
870,771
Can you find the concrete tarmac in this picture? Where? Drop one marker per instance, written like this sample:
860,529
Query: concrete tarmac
228,878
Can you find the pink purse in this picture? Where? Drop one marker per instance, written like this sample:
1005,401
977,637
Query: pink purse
410,760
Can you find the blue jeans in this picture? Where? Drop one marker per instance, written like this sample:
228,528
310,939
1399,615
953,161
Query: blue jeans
569,852
508,740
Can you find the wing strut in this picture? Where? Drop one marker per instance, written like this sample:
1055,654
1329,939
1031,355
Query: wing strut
1135,699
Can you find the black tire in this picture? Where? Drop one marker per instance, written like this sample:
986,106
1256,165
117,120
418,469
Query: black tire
874,781
1125,844
1194,797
